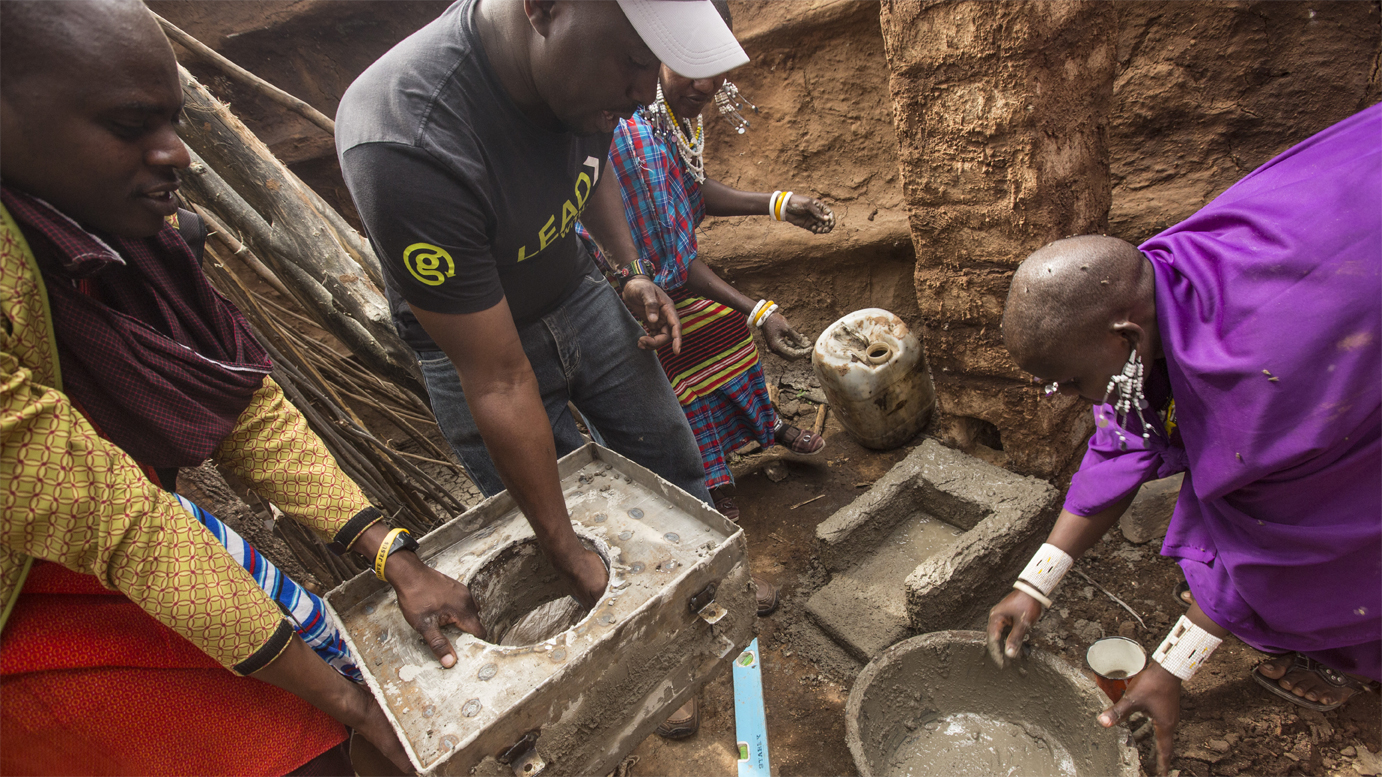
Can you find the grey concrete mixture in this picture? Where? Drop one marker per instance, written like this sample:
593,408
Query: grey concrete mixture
937,704
932,545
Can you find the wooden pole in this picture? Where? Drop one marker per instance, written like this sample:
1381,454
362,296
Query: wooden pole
250,80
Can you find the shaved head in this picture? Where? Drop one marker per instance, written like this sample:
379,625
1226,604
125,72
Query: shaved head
1069,298
46,39
89,100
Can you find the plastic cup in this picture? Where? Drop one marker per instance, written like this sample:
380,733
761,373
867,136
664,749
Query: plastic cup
1114,660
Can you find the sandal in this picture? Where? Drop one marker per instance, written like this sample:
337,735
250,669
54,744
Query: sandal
725,505
1184,595
803,442
765,596
1333,677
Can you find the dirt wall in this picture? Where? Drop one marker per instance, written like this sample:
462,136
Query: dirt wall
1019,123
1141,113
999,109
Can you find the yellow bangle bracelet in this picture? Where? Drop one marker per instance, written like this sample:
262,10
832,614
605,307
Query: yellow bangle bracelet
382,555
762,314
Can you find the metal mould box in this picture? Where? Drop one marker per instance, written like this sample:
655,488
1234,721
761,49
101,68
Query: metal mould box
678,607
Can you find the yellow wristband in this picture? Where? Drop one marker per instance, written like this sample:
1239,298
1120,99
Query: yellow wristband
382,555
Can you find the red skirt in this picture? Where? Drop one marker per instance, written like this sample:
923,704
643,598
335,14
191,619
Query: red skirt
91,684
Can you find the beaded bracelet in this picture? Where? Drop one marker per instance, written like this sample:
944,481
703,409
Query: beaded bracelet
1047,567
1185,649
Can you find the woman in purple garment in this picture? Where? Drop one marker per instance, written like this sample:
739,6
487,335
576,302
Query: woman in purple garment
1243,347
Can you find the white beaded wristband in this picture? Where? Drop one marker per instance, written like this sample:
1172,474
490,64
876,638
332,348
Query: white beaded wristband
1185,649
1047,567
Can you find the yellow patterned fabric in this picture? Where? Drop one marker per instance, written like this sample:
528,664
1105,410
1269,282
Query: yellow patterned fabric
71,497
282,460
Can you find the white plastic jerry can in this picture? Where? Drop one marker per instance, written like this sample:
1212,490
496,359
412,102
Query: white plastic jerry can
874,373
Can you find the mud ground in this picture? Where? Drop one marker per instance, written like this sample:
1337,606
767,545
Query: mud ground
1229,725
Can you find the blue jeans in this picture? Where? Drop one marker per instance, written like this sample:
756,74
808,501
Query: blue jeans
585,352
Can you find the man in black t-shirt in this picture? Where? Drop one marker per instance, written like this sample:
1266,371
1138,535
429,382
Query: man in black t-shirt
471,149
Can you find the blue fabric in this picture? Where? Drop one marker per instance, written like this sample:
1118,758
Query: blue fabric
309,616
585,352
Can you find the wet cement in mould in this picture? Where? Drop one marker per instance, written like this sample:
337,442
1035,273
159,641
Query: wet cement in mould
964,744
522,598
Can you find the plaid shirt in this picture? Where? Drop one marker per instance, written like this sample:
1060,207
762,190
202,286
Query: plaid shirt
661,200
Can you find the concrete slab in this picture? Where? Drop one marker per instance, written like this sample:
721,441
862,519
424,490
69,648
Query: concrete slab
930,546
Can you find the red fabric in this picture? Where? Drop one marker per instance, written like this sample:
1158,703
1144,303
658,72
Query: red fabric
91,684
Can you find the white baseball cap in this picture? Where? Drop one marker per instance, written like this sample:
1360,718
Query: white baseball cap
687,35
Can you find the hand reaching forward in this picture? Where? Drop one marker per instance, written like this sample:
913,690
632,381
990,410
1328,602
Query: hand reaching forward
430,600
810,213
784,340
1015,614
651,305
1155,692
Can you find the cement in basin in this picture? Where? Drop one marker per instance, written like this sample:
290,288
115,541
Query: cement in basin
936,704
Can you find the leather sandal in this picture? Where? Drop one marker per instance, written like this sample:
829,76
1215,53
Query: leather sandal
803,443
765,594
1333,677
683,723
1183,594
726,507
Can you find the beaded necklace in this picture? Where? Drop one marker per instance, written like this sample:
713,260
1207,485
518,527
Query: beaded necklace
690,147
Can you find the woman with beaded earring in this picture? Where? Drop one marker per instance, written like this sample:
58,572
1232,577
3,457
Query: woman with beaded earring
1241,348
658,157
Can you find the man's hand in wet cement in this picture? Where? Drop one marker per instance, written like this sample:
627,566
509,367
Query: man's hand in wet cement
1156,692
583,570
428,598
651,305
1015,615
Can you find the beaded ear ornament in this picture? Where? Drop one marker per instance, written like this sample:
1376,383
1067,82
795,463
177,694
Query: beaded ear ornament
1124,392
731,104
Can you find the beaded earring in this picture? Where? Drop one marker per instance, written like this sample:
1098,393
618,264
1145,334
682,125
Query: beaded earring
1124,392
731,104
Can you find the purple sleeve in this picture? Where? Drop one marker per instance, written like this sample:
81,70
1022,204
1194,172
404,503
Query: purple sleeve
1116,464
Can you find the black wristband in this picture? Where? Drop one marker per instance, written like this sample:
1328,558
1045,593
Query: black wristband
348,534
267,652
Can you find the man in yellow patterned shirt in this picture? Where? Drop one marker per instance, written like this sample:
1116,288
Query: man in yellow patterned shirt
121,613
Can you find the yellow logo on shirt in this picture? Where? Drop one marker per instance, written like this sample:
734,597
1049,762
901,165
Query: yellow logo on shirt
424,261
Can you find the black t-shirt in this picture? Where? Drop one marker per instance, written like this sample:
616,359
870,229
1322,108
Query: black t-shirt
466,200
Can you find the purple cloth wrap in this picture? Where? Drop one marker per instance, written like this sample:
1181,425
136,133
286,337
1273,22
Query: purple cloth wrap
1279,523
